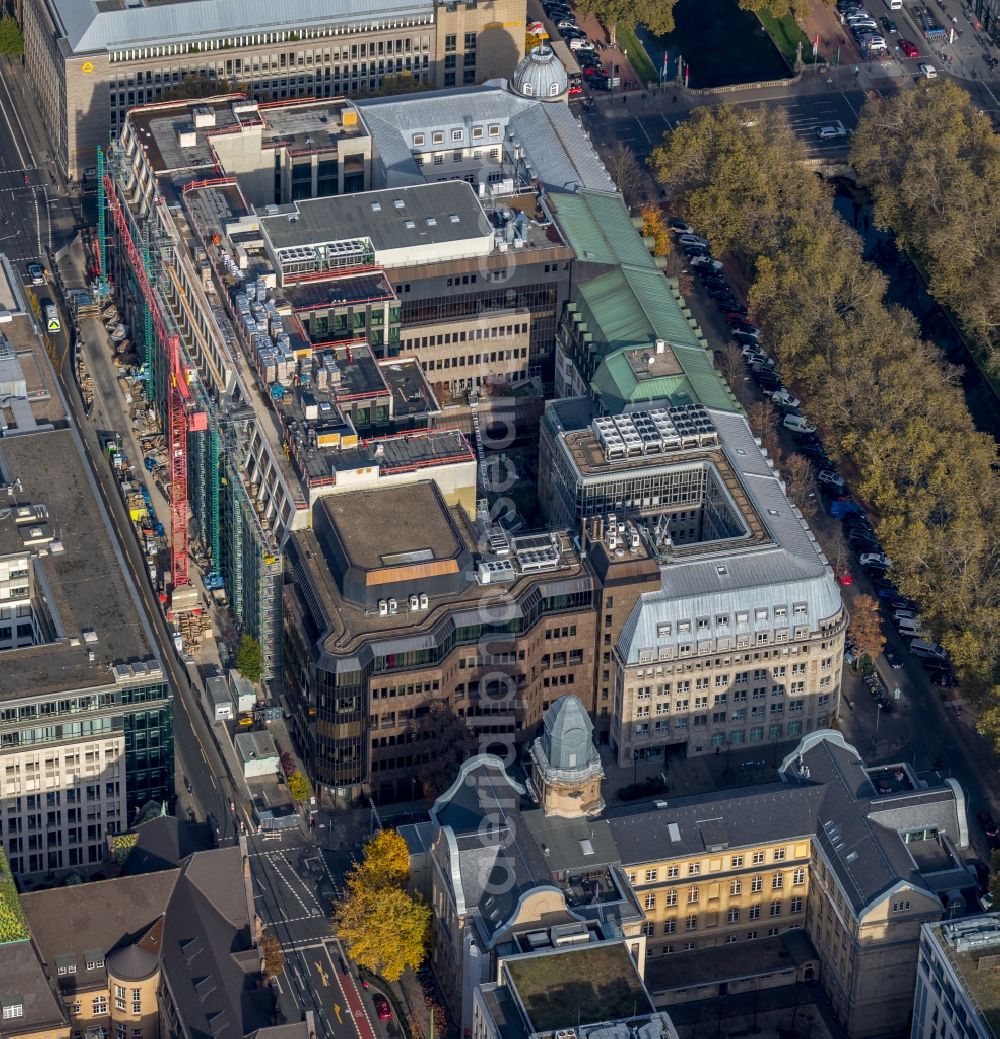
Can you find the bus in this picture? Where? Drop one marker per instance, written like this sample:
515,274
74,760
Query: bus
52,323
569,63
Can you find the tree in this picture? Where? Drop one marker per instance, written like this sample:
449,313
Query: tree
274,956
800,483
444,742
249,659
866,625
656,15
995,878
385,929
730,362
655,227
11,37
763,420
777,9
299,787
625,172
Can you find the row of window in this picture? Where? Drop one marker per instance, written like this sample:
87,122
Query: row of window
470,335
694,868
733,916
735,888
731,939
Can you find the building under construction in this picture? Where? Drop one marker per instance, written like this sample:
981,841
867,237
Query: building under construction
274,382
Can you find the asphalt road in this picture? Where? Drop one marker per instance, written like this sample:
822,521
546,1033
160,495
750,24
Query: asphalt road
641,124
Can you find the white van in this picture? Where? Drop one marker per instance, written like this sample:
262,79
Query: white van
894,5
927,650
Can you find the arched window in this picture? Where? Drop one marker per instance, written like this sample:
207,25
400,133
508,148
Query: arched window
528,90
554,90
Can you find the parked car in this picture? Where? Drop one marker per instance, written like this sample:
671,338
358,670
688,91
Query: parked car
782,398
909,48
735,308
893,659
797,424
36,274
945,678
690,249
744,337
831,481
877,559
382,1007
927,70
581,45
766,379
679,226
987,824
889,25
706,263
689,238
830,133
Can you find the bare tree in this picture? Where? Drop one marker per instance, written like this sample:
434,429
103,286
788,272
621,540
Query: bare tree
866,625
730,362
625,172
800,483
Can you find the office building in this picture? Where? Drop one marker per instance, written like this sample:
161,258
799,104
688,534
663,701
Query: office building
957,990
398,600
825,873
89,61
734,632
86,722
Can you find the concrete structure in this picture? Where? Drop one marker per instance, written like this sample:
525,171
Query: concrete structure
86,724
958,984
742,639
396,601
826,873
258,754
90,61
220,699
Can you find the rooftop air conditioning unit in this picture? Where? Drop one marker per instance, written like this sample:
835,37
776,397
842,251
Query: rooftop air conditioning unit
414,602
424,601
393,606
383,608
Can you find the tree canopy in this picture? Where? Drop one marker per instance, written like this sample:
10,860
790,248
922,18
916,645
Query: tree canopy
884,399
656,15
932,162
11,37
443,741
385,928
249,659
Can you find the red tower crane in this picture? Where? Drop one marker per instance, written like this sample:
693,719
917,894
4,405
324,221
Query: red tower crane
180,416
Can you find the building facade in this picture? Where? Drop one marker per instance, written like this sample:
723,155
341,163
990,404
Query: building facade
89,63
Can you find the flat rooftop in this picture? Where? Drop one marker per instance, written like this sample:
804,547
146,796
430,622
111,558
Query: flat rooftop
395,218
560,988
83,582
975,968
28,393
393,527
370,287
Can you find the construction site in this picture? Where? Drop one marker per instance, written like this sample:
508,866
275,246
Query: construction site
243,417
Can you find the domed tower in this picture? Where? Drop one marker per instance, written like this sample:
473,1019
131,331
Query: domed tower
565,766
540,76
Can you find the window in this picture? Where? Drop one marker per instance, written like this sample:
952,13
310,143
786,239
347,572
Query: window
900,907
799,876
647,929
650,875
99,1005
777,881
671,898
457,135
692,895
797,904
12,1010
119,997
751,936
67,968
775,909
94,964
669,926
735,887
736,861
734,915
758,858
755,912
650,901
673,871
418,140
757,883
779,854
692,922
694,868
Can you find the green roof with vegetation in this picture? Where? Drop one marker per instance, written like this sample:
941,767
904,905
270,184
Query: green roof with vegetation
13,925
560,988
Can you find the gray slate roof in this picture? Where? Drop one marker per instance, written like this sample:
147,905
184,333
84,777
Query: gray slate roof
88,29
23,982
549,134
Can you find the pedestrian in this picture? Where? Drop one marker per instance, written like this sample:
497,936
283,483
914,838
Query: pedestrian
675,99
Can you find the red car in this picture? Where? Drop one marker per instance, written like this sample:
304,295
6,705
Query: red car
382,1007
909,48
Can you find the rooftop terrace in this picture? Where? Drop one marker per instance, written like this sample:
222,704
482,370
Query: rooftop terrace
976,963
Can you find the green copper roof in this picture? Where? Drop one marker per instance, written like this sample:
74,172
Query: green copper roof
599,229
616,384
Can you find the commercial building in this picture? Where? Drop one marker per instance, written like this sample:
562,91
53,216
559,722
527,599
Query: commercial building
733,631
86,722
89,61
827,873
958,985
168,949
398,600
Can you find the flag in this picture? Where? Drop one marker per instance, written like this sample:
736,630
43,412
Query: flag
535,28
816,45
665,74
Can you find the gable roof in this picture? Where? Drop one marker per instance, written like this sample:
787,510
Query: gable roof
599,228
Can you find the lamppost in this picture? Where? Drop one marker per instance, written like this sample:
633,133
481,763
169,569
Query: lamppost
878,715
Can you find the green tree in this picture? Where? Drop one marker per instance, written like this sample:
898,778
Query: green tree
384,928
11,37
798,9
658,17
249,659
866,625
299,787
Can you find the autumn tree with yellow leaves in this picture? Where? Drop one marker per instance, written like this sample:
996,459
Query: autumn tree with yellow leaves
385,928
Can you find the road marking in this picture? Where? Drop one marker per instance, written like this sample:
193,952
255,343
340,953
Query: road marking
322,974
644,133
38,219
336,1010
6,119
849,105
